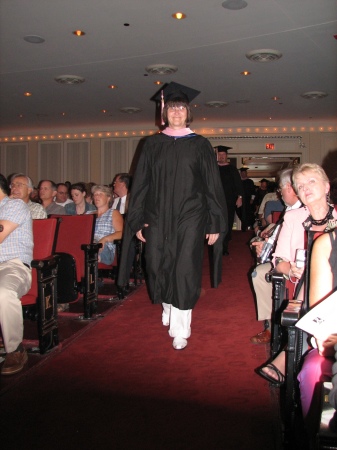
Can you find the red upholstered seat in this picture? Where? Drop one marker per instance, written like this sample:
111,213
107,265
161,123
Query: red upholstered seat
44,235
275,216
75,238
40,303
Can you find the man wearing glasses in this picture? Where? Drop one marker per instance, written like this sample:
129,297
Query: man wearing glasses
21,187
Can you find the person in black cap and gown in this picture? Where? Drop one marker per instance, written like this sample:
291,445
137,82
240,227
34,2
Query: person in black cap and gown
233,189
176,201
246,212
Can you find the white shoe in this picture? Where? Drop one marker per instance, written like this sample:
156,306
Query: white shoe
165,320
179,343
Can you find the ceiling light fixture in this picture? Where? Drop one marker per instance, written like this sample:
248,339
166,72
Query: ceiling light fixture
161,69
79,33
313,95
234,5
245,73
216,104
264,55
130,110
179,15
158,82
34,39
69,79
112,86
27,94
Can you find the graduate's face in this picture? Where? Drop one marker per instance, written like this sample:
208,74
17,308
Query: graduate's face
177,117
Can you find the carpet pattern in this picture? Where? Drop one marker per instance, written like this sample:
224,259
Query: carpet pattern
121,385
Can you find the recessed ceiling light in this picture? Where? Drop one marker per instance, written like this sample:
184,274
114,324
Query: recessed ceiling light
275,98
69,79
161,69
234,5
34,39
245,73
79,33
313,95
103,111
112,86
27,94
158,82
264,55
216,104
179,15
130,110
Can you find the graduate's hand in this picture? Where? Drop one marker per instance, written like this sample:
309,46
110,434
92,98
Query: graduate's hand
139,233
212,238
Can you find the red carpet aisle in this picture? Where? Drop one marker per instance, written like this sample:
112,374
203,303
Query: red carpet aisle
122,386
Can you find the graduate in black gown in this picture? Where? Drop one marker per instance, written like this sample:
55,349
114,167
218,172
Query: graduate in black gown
176,202
233,189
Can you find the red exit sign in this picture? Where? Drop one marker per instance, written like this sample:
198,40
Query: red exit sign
270,146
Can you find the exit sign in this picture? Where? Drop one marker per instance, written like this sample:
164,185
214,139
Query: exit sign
270,146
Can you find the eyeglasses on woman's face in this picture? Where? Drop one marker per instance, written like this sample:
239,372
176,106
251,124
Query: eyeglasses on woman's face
176,108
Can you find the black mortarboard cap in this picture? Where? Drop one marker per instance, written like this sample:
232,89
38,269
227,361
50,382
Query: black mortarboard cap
173,91
223,148
243,169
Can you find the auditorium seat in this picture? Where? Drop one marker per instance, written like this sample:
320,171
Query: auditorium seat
78,270
40,303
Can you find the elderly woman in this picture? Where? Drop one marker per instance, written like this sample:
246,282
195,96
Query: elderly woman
79,206
176,201
312,186
109,223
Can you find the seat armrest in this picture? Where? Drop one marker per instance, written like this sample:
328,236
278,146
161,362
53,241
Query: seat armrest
291,314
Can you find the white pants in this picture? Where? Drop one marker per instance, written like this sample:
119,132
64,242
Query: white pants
179,320
15,281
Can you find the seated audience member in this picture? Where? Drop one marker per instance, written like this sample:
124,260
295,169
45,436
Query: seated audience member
317,365
47,192
34,195
16,254
260,193
109,223
121,186
272,206
21,187
312,187
79,205
89,186
62,194
263,289
271,195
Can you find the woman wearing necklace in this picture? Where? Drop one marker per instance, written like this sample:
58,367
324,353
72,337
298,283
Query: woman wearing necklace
109,223
79,206
176,201
312,187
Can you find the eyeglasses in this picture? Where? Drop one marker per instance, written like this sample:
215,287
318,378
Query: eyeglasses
176,108
18,185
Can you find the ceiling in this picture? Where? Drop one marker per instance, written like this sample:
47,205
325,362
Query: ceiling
208,48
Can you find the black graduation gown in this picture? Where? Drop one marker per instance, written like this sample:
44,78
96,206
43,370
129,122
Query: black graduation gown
177,191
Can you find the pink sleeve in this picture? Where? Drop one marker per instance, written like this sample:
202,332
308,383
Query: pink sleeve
292,235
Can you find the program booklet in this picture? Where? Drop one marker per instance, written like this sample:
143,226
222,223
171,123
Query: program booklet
321,320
